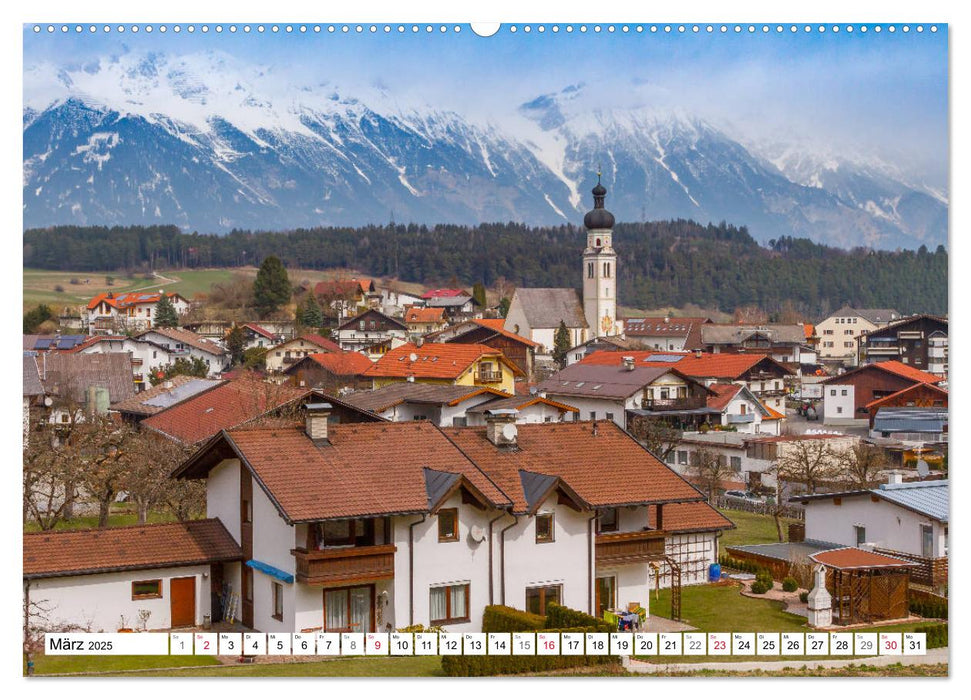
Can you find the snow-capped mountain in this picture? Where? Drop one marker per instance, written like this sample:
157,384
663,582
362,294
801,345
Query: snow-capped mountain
210,144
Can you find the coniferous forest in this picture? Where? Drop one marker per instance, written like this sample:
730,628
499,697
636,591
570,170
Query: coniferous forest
661,263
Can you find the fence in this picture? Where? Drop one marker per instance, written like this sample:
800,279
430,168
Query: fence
786,511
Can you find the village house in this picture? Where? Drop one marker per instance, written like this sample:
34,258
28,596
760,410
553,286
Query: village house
420,320
458,519
79,385
394,301
453,405
346,297
677,333
457,304
33,399
917,341
908,520
446,363
53,343
611,342
147,356
163,395
141,577
846,396
782,342
258,337
288,353
838,332
728,406
334,372
491,332
918,413
183,343
371,332
133,311
239,402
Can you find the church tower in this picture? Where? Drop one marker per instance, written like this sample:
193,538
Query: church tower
600,269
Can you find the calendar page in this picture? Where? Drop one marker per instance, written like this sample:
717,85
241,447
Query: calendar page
369,348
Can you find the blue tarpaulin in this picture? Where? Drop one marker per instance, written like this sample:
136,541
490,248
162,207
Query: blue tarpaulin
270,571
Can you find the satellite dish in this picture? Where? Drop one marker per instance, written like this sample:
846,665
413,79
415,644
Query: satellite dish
477,533
509,432
48,401
922,468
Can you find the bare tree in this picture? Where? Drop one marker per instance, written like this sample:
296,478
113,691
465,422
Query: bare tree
656,435
50,477
861,463
711,469
148,482
808,462
750,315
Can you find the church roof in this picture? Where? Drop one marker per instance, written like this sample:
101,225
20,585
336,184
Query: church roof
545,307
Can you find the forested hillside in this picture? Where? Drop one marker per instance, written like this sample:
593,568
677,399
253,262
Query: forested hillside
662,263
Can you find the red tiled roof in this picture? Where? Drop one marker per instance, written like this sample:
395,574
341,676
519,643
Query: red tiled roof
687,327
434,360
439,293
606,469
893,367
342,287
94,340
724,393
417,314
233,403
903,392
496,324
690,517
853,558
718,365
320,341
74,552
809,329
349,477
259,330
773,414
120,301
343,364
136,404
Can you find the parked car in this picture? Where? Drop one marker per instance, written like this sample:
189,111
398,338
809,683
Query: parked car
745,497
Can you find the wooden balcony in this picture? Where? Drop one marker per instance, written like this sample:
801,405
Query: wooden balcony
344,565
488,376
684,403
628,547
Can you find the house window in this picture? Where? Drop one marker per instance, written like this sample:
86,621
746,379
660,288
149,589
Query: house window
449,604
736,463
610,416
832,392
842,392
682,456
277,601
927,541
839,409
539,597
141,590
593,415
606,594
246,511
670,458
860,534
590,270
607,520
544,527
448,525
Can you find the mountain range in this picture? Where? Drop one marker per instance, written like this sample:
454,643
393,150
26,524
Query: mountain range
199,142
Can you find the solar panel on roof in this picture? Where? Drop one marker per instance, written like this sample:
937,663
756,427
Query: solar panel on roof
663,358
179,393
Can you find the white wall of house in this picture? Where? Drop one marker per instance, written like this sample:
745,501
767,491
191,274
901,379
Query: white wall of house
839,403
561,562
217,361
222,496
537,413
99,601
887,525
598,408
743,406
273,539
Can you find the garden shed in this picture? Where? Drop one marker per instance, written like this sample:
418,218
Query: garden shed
866,586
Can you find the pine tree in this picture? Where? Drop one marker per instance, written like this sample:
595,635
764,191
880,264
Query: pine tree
561,343
479,294
504,304
165,314
312,315
272,289
236,344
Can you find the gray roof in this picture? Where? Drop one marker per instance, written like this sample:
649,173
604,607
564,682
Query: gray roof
69,375
437,484
545,307
930,498
906,419
878,317
787,551
447,302
604,381
729,334
32,385
411,392
535,486
160,397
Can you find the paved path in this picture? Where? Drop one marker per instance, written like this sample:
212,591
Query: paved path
933,656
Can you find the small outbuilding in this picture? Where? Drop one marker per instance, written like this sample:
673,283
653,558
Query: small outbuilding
866,586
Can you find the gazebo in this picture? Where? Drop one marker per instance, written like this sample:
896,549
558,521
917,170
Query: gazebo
866,586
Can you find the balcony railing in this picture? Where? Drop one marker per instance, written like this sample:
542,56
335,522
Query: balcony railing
487,376
684,403
344,565
628,547
770,392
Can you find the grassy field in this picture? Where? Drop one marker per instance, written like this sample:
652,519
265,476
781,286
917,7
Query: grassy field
850,671
117,517
413,666
44,665
751,528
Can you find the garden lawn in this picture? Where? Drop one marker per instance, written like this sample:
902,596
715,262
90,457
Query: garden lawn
93,664
373,667
751,528
724,609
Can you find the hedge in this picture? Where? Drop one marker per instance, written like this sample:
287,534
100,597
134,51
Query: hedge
730,562
558,616
929,608
501,618
936,635
500,665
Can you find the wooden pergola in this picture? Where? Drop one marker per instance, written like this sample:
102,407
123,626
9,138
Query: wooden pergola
866,586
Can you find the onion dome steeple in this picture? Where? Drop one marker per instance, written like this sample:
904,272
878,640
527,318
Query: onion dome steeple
598,217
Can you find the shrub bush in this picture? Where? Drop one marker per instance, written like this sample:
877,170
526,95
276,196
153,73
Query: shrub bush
764,576
500,618
559,616
789,584
936,635
500,665
929,608
760,587
804,597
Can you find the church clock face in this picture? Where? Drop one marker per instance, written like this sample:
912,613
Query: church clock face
606,324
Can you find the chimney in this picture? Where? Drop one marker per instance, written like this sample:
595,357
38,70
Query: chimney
501,427
317,415
419,341
698,354
667,319
628,363
894,478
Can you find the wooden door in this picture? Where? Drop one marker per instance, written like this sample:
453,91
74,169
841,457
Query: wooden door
183,594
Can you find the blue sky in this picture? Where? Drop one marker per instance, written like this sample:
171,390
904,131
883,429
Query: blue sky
884,93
